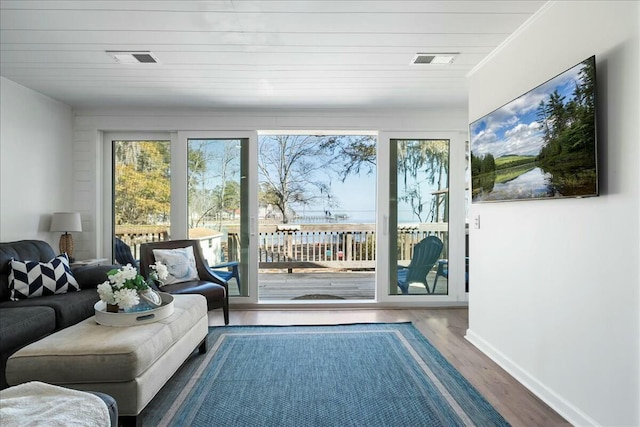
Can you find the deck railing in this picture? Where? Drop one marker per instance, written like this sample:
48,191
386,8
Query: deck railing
317,245
345,246
135,235
284,246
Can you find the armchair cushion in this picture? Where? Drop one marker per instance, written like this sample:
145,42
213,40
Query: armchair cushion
181,264
29,279
202,287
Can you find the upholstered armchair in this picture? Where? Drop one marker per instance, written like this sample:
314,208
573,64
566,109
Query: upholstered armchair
205,282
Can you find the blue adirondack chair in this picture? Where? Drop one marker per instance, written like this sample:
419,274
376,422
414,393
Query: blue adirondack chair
231,271
443,270
425,254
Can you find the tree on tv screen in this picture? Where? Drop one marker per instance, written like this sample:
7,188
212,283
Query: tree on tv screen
569,128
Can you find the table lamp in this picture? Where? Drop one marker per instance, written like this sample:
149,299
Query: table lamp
66,222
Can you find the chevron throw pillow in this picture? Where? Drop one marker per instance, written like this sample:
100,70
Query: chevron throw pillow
29,279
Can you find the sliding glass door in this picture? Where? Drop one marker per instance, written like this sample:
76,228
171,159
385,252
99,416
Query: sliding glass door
352,211
217,205
419,216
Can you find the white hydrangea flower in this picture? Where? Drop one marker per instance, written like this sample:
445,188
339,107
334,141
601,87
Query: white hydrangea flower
129,272
117,279
106,292
161,270
123,286
121,276
126,298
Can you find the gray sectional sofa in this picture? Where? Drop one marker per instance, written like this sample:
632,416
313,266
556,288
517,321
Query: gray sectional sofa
27,320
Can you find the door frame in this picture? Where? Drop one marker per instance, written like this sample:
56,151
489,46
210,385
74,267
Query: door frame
180,181
456,280
179,221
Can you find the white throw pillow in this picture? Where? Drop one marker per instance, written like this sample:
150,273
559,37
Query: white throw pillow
181,264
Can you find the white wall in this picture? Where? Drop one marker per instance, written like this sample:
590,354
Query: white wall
35,163
554,283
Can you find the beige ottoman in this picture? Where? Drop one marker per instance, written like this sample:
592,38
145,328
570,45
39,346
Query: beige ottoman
131,363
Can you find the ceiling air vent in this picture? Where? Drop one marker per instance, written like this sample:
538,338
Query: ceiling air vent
133,57
433,58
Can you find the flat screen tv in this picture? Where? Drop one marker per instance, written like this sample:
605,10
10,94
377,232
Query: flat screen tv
540,145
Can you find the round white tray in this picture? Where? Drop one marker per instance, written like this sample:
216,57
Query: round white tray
106,318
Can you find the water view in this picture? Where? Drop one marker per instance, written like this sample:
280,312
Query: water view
532,184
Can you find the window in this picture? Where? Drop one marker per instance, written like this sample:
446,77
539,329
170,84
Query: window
141,194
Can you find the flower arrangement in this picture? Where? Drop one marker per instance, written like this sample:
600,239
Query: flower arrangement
125,284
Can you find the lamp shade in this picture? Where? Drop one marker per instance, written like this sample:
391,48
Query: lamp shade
66,222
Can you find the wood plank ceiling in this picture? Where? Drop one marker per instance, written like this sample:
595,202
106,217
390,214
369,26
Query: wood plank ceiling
252,54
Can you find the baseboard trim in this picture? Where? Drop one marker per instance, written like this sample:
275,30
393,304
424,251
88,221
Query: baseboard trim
548,396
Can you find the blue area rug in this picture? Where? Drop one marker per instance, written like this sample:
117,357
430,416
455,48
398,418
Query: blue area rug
349,375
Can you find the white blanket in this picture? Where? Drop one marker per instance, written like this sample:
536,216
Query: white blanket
39,404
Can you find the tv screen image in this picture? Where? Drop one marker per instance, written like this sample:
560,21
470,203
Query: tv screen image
540,145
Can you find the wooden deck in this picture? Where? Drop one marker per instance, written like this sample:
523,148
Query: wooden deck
277,286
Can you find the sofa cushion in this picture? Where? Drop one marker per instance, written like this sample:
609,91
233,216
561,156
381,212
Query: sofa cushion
70,308
34,250
90,276
30,279
21,326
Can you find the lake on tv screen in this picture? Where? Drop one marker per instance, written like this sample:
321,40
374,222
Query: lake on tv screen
541,144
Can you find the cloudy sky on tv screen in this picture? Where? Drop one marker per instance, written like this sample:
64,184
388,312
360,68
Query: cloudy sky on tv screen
514,129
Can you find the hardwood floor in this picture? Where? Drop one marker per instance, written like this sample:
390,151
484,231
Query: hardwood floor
445,328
